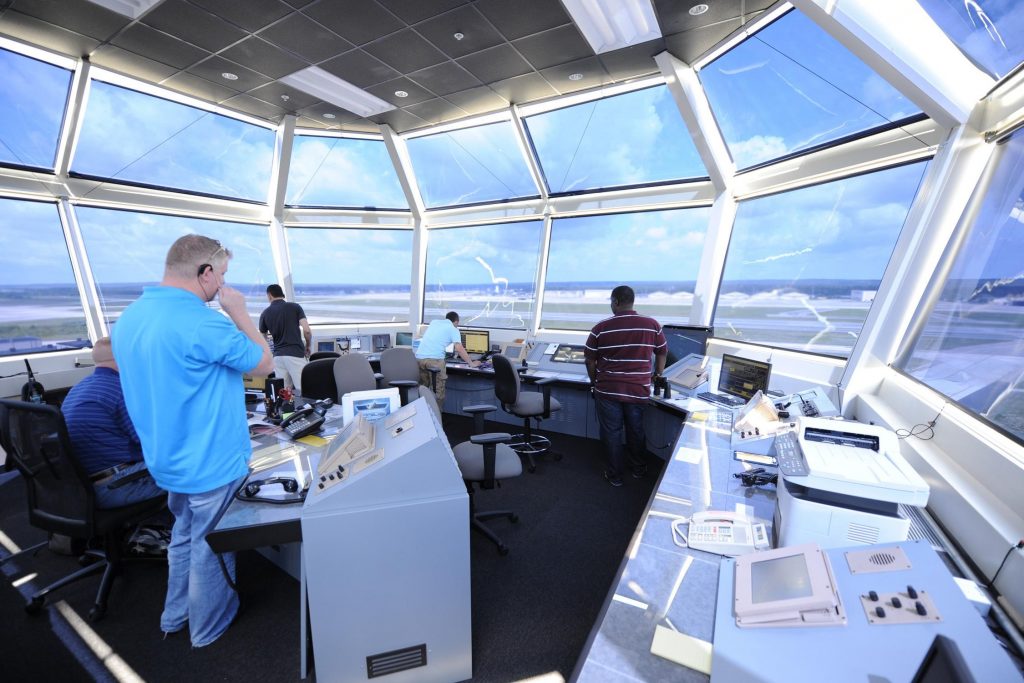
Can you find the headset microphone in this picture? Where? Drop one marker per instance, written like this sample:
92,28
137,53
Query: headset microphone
32,390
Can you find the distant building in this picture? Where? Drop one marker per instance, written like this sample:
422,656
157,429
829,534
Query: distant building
865,295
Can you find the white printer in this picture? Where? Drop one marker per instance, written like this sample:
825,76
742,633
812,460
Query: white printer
851,495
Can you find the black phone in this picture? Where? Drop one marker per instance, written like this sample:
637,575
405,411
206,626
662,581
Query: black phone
302,422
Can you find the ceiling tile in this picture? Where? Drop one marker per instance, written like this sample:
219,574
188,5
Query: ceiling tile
212,68
254,107
79,16
358,21
263,57
360,69
514,20
360,126
251,15
478,34
298,4
149,42
198,87
193,24
593,75
412,11
495,64
272,93
436,111
308,122
690,45
633,61
557,46
444,78
306,38
43,34
399,120
386,91
130,64
525,88
675,17
405,51
480,100
318,110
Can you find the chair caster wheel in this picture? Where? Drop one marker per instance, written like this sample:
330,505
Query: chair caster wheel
503,550
514,519
97,613
34,606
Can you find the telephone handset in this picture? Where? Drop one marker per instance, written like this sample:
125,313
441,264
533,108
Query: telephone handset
302,422
723,533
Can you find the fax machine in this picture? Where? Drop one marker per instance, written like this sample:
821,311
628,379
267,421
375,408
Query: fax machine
851,495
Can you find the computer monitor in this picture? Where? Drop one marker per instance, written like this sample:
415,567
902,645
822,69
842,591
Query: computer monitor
381,341
568,353
403,338
476,341
743,377
684,340
324,345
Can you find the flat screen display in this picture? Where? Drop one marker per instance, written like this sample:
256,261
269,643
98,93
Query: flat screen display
743,377
403,338
381,341
684,340
476,341
784,578
568,353
325,345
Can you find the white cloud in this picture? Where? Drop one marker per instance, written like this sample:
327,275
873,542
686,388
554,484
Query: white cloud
758,148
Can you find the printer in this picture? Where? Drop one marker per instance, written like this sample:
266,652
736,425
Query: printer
856,482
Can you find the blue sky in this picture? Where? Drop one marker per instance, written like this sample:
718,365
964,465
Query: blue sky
32,100
350,256
484,254
328,171
34,251
989,31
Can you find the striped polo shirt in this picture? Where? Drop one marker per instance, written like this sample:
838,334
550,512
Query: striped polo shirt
622,346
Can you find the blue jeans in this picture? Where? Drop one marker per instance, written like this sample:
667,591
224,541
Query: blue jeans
197,592
109,495
613,416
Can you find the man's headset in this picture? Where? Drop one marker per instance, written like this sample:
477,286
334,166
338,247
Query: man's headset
202,269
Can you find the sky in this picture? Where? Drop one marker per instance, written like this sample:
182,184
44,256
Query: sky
34,250
507,252
32,100
349,172
990,31
350,257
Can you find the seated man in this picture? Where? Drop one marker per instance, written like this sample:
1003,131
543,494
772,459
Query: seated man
103,437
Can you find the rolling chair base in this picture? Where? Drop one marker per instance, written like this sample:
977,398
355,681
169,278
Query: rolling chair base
477,523
531,445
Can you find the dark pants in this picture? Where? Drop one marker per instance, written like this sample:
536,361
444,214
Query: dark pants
613,417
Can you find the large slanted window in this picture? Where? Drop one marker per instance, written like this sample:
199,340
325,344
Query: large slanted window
636,138
990,32
657,253
33,97
471,166
803,266
127,250
132,137
40,308
971,344
485,273
351,275
343,172
790,88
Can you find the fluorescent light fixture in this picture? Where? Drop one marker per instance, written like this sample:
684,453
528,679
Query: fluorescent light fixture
129,8
315,81
612,24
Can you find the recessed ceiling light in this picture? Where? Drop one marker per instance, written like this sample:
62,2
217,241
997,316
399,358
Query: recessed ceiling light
458,35
575,77
329,116
401,93
228,76
698,10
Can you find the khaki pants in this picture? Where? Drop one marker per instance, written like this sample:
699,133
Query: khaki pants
442,376
289,368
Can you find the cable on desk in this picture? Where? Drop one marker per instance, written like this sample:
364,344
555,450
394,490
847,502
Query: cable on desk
678,537
922,427
1017,546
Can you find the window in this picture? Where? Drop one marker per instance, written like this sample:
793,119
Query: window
41,309
33,97
346,275
127,250
343,172
791,87
657,253
990,32
470,166
169,145
971,346
803,267
485,273
631,139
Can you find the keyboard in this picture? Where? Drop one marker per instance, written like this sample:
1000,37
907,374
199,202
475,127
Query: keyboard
720,399
790,456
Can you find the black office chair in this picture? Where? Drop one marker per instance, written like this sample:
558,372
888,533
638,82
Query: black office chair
527,405
399,368
318,380
484,460
61,498
352,372
320,355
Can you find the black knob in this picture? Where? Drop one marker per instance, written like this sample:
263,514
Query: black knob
911,593
880,612
896,602
873,596
919,606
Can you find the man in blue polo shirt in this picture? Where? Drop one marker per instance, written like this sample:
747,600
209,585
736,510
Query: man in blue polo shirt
432,348
102,435
181,370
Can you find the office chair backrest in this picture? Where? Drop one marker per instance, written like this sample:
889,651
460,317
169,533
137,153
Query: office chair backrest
399,363
318,380
319,355
352,372
60,496
506,380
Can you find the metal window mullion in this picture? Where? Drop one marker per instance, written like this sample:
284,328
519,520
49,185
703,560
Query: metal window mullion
283,144
88,294
526,149
399,153
540,286
418,284
712,260
74,115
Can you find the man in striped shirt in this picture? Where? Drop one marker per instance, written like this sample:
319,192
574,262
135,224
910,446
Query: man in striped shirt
618,355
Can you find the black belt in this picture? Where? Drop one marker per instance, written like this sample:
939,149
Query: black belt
109,472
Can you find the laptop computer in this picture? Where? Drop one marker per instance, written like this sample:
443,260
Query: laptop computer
738,380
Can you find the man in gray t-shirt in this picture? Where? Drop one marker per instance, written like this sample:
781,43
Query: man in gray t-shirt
282,320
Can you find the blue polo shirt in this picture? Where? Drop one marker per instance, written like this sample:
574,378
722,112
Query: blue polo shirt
181,370
437,337
101,432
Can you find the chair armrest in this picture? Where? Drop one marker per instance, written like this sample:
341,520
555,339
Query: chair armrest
544,380
489,443
545,387
480,408
493,437
378,376
403,383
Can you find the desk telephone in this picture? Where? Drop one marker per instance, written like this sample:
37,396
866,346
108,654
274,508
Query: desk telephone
307,420
723,533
